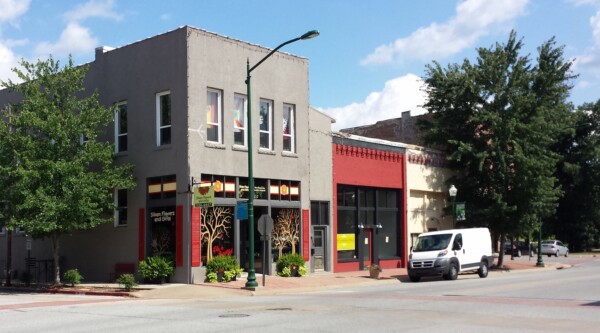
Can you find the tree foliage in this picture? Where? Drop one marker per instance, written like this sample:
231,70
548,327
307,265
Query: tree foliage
577,221
60,183
497,119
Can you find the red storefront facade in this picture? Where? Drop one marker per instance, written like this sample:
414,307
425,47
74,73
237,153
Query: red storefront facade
369,204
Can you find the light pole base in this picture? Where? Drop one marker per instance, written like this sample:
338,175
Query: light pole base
251,283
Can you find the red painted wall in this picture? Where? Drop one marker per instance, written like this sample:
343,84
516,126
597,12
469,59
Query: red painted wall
374,168
195,231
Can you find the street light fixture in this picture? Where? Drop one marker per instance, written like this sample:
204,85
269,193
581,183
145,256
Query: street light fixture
453,191
251,283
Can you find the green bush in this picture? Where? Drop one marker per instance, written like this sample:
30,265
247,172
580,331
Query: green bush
156,267
127,281
72,277
226,264
290,260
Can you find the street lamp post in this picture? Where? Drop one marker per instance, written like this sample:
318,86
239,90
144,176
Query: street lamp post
452,191
540,261
251,283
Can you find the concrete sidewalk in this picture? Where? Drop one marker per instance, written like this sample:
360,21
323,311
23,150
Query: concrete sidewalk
275,285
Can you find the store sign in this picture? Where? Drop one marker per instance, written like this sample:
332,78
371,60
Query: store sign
346,242
259,191
163,216
204,196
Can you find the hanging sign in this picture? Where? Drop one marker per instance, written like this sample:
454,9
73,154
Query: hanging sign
242,210
460,211
204,196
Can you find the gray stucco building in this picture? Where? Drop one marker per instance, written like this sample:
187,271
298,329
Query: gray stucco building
181,122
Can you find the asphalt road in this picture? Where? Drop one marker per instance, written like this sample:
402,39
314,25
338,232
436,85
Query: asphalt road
566,300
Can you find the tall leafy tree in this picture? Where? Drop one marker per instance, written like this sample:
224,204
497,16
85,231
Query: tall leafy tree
577,221
497,119
62,175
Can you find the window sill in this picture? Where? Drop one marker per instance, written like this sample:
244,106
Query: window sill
239,148
266,151
163,147
122,153
214,145
119,226
289,154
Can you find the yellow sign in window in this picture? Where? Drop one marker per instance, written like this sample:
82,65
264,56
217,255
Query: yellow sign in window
346,242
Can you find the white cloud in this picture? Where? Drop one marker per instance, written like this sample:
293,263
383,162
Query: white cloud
8,61
11,9
589,61
400,94
473,19
74,39
93,8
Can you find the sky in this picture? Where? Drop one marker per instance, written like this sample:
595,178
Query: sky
368,62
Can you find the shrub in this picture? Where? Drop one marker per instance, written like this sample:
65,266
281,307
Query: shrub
156,267
227,264
72,277
127,281
290,260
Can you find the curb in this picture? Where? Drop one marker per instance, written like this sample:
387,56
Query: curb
69,292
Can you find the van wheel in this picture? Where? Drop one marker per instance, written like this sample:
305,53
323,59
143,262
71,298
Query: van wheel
452,272
414,278
483,270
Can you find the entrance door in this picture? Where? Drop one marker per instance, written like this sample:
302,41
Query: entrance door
318,258
258,243
366,243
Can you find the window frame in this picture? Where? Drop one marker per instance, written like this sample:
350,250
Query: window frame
219,119
118,134
121,193
237,128
292,127
269,131
159,125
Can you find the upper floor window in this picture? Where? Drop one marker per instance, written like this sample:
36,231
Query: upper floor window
266,121
289,128
239,120
121,204
163,118
214,116
121,127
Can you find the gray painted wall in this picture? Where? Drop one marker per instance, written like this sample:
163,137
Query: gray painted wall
187,61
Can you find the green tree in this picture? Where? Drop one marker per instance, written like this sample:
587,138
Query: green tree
61,183
497,119
577,221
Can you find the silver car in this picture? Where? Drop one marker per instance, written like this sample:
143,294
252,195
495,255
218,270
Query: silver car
554,248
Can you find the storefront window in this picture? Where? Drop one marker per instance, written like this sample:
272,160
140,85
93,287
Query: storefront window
162,223
217,231
285,236
367,208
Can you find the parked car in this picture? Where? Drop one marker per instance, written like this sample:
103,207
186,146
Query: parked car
554,248
520,248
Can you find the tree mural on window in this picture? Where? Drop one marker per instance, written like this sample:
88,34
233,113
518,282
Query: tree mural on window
215,224
286,230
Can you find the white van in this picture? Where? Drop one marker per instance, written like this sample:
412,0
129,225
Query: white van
449,252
